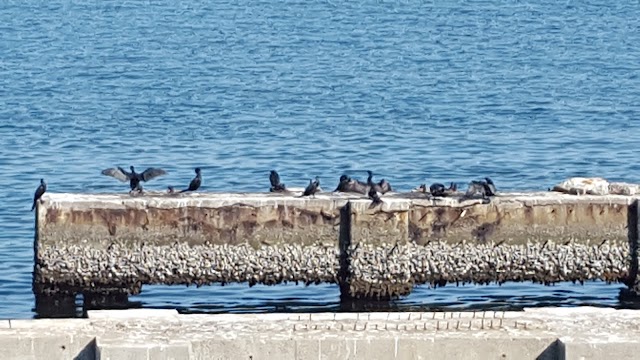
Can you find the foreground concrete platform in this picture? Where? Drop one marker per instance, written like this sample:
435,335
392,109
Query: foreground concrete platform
108,243
542,333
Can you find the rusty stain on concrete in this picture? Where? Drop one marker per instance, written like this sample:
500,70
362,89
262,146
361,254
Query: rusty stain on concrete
271,238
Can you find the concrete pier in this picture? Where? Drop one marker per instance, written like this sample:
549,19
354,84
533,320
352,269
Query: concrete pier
113,244
543,333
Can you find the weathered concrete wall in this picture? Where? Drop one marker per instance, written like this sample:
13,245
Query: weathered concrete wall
105,242
94,243
540,237
520,218
194,219
542,333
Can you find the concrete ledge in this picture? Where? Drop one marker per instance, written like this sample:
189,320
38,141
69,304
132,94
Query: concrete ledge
267,219
543,333
114,244
131,314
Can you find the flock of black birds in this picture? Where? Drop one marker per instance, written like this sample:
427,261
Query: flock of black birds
374,190
485,188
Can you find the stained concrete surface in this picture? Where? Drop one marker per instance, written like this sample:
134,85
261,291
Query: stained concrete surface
93,243
540,333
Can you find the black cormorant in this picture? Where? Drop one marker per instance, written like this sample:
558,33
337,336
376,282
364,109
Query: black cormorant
276,185
343,184
370,178
39,192
195,182
440,190
312,188
490,187
485,187
374,196
384,186
133,177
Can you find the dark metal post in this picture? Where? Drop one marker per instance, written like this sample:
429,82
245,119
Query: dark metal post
344,241
632,226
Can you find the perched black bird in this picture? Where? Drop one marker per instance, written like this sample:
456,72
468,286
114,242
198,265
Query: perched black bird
312,188
133,177
39,192
370,178
436,189
490,187
195,182
348,184
374,196
355,185
276,185
439,190
485,187
384,186
343,184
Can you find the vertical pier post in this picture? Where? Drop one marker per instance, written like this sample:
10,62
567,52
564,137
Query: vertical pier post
633,282
369,240
344,243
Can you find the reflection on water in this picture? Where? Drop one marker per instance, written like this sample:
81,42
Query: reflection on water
239,298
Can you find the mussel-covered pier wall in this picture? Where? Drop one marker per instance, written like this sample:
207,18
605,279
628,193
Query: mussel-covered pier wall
105,243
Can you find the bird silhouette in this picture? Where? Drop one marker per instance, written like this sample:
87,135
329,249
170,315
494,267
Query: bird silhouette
276,185
195,182
312,188
132,177
39,192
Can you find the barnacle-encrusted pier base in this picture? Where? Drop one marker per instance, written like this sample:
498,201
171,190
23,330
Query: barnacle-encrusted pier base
113,244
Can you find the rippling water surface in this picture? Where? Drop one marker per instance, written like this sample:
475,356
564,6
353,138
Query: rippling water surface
528,93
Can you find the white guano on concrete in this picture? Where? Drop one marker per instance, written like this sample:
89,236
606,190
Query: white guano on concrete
542,333
393,200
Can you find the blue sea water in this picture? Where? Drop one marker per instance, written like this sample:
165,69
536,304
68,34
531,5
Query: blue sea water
527,92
